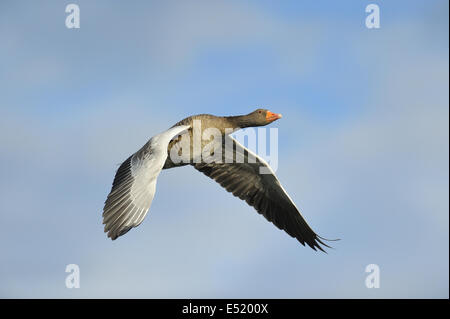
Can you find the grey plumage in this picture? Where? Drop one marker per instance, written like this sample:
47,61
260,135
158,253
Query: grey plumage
134,185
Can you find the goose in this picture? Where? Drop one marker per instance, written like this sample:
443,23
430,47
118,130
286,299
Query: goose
134,184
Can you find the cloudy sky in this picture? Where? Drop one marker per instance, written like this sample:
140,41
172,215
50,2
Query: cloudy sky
363,146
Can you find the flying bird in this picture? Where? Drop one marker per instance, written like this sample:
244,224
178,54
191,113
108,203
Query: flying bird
134,184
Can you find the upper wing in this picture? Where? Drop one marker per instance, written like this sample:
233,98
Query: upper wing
131,195
262,191
135,184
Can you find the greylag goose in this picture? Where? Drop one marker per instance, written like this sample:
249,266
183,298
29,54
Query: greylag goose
128,203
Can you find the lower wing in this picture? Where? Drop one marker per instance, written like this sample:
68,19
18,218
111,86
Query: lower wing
262,191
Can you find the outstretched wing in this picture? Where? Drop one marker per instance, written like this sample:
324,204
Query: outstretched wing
135,184
262,191
131,195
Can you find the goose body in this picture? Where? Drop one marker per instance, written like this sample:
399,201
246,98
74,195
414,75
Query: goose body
136,177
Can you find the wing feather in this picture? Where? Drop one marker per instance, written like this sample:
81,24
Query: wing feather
262,191
134,185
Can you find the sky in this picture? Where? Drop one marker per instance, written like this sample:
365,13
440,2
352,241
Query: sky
363,146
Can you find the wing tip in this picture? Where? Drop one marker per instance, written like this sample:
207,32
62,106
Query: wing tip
113,234
319,240
109,233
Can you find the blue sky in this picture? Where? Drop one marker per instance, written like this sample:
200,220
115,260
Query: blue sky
363,146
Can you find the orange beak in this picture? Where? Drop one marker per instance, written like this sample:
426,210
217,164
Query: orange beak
270,117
